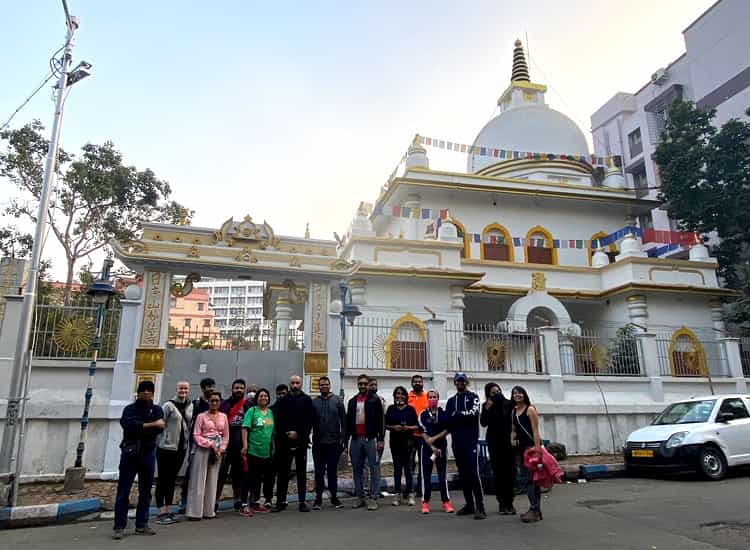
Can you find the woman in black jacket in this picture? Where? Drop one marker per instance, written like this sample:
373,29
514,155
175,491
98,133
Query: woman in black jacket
496,417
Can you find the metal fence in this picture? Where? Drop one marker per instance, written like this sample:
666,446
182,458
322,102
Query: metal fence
745,356
595,353
256,337
373,343
693,354
66,331
478,348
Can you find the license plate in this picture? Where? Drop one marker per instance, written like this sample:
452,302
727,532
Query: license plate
642,453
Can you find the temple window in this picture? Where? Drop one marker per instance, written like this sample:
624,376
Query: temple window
539,248
610,250
496,244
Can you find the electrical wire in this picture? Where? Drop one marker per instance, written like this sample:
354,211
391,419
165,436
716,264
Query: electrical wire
36,90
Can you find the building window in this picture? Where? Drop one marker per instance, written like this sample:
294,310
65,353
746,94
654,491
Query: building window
221,312
635,142
462,235
611,250
238,291
173,302
220,323
220,302
496,244
640,180
206,323
646,221
222,290
238,301
539,247
187,322
201,306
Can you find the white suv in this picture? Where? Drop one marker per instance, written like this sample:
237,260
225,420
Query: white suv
707,434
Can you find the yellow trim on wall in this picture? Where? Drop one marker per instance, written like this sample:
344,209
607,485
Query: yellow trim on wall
467,242
407,319
506,236
547,237
684,331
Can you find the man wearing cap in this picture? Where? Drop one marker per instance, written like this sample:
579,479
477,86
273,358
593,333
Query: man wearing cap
463,410
141,421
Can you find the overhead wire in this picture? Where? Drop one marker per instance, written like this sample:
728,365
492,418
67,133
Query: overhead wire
26,101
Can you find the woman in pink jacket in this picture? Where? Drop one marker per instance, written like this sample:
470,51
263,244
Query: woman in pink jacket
211,436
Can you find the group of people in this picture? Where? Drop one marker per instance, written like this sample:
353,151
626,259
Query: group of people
247,439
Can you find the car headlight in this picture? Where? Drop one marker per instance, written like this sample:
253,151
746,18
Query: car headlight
676,439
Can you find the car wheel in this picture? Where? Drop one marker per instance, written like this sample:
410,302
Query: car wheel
712,463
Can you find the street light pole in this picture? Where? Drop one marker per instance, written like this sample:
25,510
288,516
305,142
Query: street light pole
349,312
8,451
101,291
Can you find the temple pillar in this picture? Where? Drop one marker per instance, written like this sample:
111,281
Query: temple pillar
283,317
154,329
437,356
552,362
638,312
648,359
733,357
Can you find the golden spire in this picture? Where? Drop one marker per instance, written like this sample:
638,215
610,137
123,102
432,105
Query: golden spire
520,69
307,230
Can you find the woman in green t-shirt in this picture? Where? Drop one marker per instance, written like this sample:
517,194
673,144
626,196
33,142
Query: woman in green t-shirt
257,447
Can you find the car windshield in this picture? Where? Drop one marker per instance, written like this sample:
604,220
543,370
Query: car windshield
686,413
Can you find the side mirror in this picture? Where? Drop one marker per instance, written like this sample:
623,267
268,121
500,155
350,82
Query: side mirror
724,417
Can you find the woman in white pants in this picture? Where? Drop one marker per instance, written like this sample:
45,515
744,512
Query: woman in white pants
211,435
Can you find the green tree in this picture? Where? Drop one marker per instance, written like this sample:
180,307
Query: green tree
98,198
705,183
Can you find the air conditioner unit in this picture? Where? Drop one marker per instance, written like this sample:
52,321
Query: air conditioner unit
659,77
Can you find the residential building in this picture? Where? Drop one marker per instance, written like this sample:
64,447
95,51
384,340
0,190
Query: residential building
714,72
236,303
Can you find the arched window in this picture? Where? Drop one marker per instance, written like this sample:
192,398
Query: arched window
686,355
496,243
406,345
461,230
539,247
611,249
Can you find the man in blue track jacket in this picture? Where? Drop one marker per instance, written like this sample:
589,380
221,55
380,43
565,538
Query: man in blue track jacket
463,410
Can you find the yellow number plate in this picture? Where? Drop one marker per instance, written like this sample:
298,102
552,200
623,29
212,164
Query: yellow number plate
642,453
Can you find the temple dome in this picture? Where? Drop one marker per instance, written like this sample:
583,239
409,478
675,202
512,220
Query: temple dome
525,123
535,128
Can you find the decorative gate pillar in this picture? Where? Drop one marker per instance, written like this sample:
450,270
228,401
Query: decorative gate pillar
638,312
316,335
152,340
283,316
551,345
648,357
437,356
733,358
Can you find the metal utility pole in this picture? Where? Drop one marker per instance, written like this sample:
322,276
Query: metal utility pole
8,450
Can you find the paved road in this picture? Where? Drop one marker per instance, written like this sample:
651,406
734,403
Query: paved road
614,514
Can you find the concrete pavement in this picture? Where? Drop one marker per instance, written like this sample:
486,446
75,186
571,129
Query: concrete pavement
613,514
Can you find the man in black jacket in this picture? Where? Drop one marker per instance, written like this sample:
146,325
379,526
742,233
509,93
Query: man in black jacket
328,441
293,416
365,427
141,421
496,417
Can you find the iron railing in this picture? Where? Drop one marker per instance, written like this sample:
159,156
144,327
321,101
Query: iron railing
373,343
693,354
745,356
256,337
599,352
485,348
66,331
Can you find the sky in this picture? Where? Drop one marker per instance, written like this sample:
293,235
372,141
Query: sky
294,112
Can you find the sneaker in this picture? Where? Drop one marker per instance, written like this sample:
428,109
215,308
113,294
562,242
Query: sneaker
317,504
531,516
465,511
372,504
237,505
508,511
396,501
448,508
480,514
268,506
336,503
303,507
165,519
246,511
145,531
117,534
359,503
181,510
279,507
411,501
425,507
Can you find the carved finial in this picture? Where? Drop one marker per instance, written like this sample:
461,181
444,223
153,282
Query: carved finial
183,217
307,230
538,281
520,69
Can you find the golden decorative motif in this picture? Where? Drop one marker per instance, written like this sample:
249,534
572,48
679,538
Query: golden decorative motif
538,281
197,241
494,351
407,319
340,264
183,217
149,360
246,255
307,230
688,362
178,239
365,209
157,237
308,251
74,334
295,262
136,246
180,289
316,363
295,295
246,230
267,301
600,356
193,253
378,348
